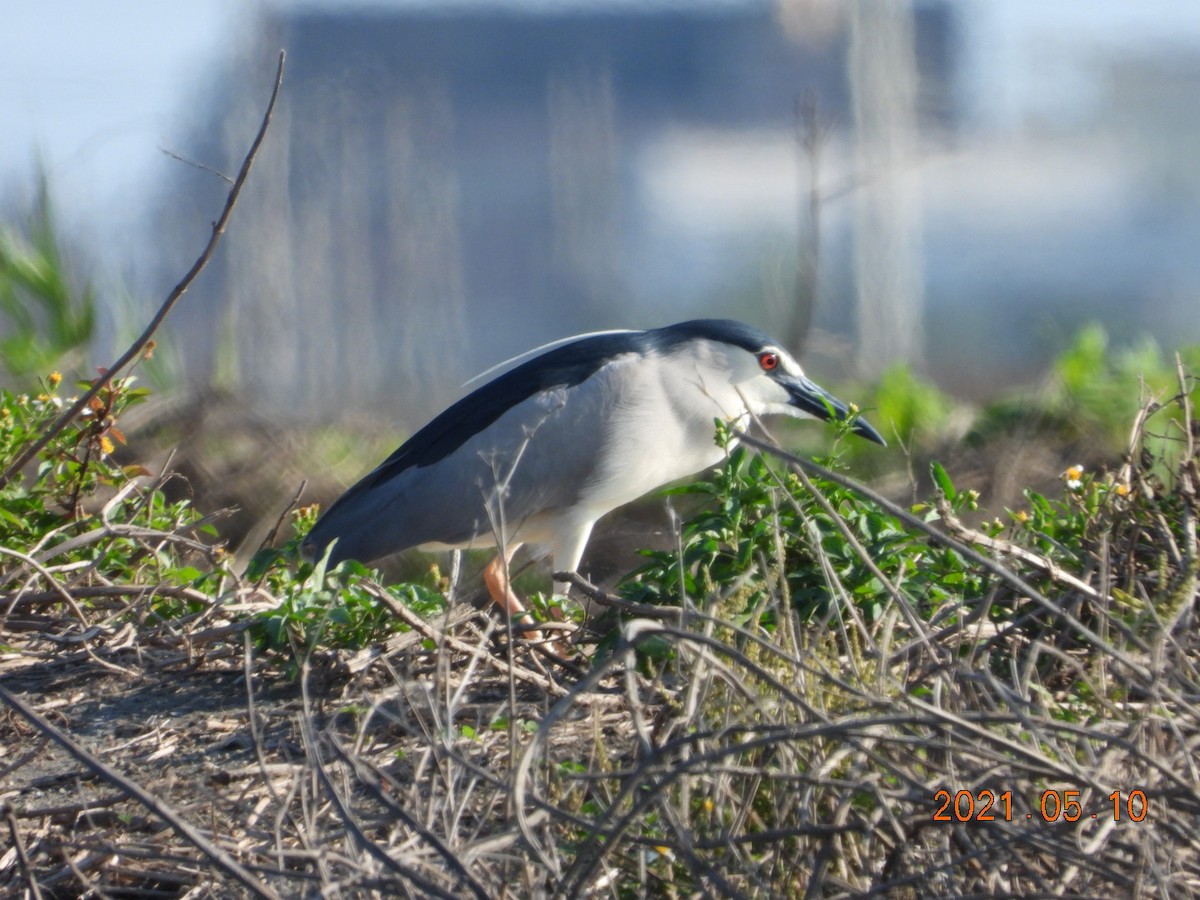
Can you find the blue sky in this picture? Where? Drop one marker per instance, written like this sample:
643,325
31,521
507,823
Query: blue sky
96,89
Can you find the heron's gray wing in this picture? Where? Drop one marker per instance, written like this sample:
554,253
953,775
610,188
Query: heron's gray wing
564,367
534,457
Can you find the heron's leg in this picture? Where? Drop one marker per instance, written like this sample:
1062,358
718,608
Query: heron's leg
495,576
569,552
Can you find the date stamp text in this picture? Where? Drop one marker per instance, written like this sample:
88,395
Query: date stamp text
1052,806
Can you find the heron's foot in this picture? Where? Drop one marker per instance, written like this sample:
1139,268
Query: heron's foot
495,577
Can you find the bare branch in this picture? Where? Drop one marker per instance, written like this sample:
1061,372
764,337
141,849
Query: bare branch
139,345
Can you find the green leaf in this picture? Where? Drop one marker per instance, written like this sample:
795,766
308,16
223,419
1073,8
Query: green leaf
942,479
262,562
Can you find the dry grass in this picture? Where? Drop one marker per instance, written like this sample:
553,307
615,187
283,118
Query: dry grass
168,760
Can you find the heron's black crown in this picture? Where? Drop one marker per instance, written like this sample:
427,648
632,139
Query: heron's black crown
722,330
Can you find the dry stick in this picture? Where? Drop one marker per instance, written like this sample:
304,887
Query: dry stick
197,165
849,728
252,718
1187,474
137,532
415,622
180,825
648,781
369,778
1127,471
666,613
136,348
100,591
595,594
353,829
26,869
633,633
85,637
58,588
1008,548
270,538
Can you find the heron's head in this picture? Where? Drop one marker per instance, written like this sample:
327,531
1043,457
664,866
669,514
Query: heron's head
765,376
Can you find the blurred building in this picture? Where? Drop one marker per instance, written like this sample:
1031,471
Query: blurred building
444,187
448,184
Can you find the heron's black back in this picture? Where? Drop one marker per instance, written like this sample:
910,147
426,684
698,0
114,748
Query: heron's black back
564,366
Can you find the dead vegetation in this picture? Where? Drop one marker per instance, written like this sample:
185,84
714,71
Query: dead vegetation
152,757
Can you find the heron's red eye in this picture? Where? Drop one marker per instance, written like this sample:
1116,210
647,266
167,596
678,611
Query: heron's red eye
768,361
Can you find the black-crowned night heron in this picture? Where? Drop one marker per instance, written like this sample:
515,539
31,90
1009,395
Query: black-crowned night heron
536,455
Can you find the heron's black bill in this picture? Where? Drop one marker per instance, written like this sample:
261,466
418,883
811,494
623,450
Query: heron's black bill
863,428
820,404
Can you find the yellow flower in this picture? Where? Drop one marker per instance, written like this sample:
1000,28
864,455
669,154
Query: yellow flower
55,379
1021,516
1122,490
106,445
1073,477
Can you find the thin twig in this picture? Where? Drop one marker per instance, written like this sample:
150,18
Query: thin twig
197,165
414,621
270,538
645,610
136,348
369,777
35,892
1005,574
353,828
1008,548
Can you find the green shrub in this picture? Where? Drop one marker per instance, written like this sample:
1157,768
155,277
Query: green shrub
46,320
321,607
761,533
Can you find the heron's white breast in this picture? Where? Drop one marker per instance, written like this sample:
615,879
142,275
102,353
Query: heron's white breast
659,426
